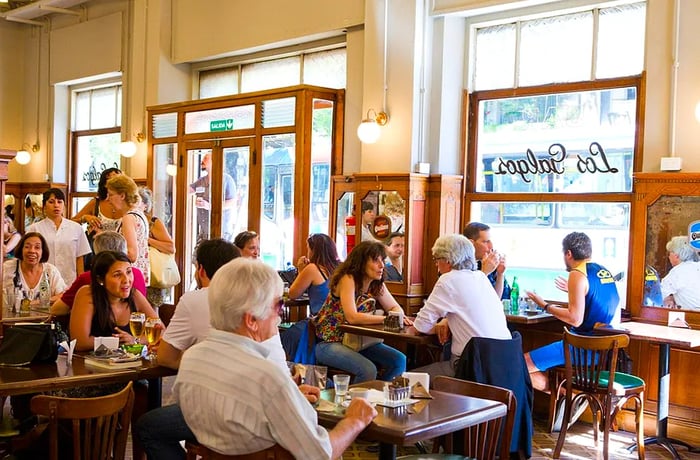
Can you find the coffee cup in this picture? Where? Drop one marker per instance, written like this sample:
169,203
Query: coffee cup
359,392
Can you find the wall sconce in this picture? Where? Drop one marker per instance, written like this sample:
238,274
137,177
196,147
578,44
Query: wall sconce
23,156
369,130
128,149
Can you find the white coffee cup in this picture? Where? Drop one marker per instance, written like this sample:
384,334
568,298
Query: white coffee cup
359,392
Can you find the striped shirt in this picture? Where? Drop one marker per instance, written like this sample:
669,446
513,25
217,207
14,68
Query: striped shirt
236,401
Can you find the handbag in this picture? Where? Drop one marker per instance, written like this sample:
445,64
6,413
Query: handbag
359,342
164,271
27,343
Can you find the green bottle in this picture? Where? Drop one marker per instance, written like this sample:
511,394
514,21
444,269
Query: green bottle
514,297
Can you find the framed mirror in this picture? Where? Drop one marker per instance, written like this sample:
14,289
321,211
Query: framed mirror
665,204
33,209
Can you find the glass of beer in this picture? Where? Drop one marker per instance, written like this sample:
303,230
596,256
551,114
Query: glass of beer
136,324
154,327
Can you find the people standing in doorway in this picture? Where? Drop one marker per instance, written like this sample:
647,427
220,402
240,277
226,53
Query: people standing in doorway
201,187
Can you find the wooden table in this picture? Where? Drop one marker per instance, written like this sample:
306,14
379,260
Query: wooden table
445,413
666,337
37,378
525,318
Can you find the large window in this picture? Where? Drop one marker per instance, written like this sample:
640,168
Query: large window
96,121
325,68
544,161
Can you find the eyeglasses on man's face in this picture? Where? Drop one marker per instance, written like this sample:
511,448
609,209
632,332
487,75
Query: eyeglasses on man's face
438,259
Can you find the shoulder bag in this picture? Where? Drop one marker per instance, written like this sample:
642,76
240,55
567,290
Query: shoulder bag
164,271
27,343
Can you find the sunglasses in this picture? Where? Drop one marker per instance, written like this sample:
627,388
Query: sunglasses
280,306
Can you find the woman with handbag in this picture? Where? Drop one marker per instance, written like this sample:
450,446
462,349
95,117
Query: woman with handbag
29,275
357,285
158,240
123,194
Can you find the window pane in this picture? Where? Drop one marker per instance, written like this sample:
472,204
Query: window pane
278,112
237,165
270,74
326,68
495,57
321,146
226,119
277,221
556,49
164,196
95,154
82,111
537,265
218,82
165,125
621,41
103,108
569,142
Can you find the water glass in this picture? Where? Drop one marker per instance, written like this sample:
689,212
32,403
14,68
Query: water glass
341,382
8,297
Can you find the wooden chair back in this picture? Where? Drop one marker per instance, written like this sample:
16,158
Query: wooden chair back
485,440
100,426
196,451
588,356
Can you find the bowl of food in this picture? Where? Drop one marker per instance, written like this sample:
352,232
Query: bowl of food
133,348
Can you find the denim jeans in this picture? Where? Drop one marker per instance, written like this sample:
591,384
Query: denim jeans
362,364
160,432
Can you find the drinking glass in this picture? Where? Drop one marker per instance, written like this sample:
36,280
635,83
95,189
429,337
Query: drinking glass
341,383
136,324
154,327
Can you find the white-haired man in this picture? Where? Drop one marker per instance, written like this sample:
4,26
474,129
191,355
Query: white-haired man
679,286
264,406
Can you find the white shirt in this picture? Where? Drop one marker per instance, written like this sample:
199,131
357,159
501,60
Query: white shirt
190,325
50,274
682,281
66,243
236,401
470,304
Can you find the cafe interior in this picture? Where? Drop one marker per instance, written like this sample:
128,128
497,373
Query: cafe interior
536,117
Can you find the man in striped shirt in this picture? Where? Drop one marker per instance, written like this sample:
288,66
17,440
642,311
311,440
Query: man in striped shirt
234,399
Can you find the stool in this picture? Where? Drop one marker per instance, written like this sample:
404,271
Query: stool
197,451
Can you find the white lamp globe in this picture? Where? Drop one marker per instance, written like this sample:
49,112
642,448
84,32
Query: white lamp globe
127,149
23,157
368,131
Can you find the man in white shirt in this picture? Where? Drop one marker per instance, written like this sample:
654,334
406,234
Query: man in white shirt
679,286
263,406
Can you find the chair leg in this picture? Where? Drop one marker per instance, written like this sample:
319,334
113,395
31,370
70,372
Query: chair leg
564,426
639,422
606,426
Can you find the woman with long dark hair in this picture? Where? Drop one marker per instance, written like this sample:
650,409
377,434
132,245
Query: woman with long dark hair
315,270
103,308
98,213
356,290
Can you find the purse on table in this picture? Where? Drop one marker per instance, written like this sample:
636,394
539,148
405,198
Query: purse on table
26,343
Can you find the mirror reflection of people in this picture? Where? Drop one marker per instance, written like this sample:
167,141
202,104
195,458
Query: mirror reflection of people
652,288
10,236
679,288
489,261
593,299
65,238
368,215
248,243
393,265
201,187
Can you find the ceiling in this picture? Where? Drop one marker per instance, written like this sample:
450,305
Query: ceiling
27,11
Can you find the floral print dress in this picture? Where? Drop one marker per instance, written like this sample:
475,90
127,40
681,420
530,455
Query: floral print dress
331,316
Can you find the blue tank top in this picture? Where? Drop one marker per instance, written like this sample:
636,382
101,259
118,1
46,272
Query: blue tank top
602,299
317,295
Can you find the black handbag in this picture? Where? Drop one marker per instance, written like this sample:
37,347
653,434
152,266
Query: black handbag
27,343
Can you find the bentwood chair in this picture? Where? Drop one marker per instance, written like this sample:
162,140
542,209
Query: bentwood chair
483,441
196,451
99,427
591,372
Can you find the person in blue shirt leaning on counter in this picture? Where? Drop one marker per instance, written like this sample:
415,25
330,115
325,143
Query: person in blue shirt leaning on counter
593,299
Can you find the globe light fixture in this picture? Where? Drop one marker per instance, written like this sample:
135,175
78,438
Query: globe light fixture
369,130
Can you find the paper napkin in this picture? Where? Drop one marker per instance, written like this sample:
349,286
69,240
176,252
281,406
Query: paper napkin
69,348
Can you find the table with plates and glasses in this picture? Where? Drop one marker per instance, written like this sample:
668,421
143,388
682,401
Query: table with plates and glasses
420,421
665,337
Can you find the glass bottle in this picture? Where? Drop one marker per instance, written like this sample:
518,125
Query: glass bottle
514,297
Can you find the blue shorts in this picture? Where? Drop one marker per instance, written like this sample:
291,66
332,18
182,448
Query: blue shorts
548,356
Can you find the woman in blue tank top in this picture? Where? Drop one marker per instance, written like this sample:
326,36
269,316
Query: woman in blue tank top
315,270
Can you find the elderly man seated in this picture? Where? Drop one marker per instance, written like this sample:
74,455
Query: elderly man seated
235,400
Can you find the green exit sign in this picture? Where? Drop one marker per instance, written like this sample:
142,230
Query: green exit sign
221,125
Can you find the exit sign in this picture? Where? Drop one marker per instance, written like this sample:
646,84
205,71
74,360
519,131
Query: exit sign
221,125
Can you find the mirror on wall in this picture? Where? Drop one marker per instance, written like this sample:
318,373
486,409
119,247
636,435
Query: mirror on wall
33,209
345,225
383,219
671,277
